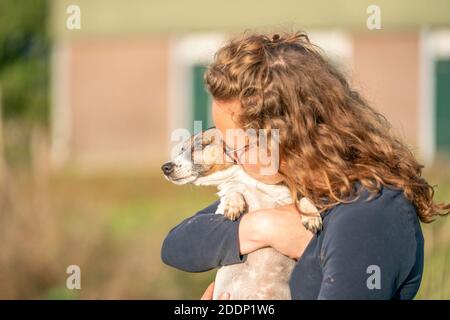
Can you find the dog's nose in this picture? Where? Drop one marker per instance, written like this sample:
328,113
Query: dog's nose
167,167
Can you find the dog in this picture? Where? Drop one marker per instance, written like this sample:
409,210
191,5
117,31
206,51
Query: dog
265,274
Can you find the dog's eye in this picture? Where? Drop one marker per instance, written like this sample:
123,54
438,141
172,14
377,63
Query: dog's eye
207,142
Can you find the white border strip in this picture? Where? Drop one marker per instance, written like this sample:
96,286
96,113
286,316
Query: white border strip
440,41
337,44
426,133
61,127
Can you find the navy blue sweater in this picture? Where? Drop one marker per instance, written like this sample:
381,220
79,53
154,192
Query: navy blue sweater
366,250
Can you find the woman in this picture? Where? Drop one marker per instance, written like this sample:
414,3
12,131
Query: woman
335,150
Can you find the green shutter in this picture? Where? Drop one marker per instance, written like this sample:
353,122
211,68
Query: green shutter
443,105
201,101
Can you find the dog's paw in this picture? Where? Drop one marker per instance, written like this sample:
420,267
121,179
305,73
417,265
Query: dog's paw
314,222
233,205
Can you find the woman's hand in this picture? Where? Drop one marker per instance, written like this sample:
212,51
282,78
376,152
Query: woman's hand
280,228
208,294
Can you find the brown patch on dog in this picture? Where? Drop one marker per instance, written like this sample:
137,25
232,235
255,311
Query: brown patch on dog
211,154
217,167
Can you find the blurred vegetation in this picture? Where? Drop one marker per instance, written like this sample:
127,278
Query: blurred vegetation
24,60
111,225
436,278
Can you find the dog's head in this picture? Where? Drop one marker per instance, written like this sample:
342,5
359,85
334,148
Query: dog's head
200,161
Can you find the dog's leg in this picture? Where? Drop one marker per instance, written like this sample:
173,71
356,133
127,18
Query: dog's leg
232,205
312,223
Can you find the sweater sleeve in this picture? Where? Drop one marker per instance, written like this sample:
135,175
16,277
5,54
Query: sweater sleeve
203,242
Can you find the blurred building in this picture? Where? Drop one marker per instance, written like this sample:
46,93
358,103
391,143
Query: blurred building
133,72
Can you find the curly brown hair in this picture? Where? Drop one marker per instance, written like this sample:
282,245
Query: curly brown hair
330,136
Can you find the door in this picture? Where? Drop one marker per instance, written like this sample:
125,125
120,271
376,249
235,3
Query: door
443,105
201,100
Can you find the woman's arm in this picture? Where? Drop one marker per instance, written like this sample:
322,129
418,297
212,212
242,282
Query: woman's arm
203,242
208,240
280,228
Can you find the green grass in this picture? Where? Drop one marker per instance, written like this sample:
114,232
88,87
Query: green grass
136,212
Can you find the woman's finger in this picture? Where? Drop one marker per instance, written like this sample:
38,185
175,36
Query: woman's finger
208,294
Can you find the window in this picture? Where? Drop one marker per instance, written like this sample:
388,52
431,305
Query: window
442,72
201,99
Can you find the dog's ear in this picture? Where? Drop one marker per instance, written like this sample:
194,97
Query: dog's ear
212,135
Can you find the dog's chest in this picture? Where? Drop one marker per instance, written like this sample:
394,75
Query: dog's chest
265,274
257,195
